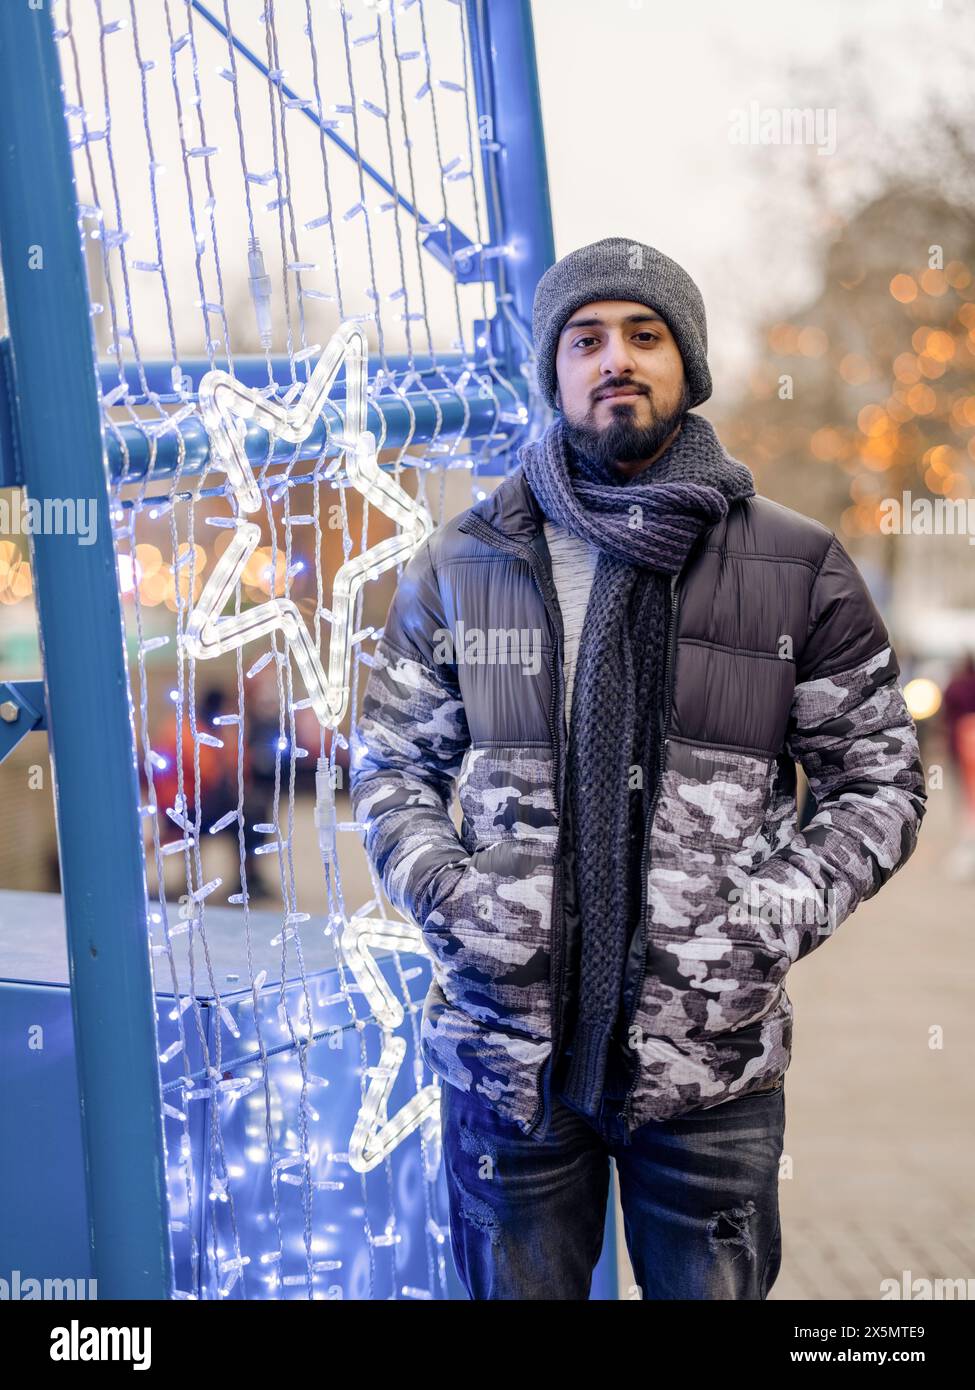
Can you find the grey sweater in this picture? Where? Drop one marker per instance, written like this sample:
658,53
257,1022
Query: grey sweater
573,567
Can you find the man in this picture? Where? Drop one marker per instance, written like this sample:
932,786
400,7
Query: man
612,928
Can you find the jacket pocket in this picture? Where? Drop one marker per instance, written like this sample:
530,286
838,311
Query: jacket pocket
710,969
711,984
490,936
711,799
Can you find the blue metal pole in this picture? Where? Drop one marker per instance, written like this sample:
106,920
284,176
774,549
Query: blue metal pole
187,446
89,714
513,157
252,370
438,413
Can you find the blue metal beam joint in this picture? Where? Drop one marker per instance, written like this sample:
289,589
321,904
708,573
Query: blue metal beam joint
21,713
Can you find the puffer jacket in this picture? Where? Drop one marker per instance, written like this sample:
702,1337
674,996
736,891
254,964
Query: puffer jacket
776,653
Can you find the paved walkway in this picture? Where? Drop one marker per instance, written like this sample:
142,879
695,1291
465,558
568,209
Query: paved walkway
880,1122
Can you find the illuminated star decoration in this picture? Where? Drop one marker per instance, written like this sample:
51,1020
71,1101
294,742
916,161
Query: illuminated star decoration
374,1136
225,405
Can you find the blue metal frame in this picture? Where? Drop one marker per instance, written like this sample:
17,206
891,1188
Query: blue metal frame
51,443
515,169
90,723
436,413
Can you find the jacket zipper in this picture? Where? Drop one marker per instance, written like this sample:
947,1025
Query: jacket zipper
491,536
644,861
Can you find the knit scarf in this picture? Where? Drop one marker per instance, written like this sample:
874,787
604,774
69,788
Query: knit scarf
644,528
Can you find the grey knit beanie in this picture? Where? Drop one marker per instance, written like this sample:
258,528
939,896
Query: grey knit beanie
618,268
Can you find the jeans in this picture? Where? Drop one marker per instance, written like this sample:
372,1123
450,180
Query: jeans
699,1195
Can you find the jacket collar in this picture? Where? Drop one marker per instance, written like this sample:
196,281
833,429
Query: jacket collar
512,508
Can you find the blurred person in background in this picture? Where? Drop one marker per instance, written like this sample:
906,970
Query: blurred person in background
218,782
958,709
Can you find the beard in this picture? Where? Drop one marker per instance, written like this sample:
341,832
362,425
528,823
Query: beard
622,440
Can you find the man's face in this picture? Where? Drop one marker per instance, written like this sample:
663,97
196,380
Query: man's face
621,384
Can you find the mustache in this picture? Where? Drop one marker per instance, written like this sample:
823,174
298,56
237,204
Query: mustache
623,386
